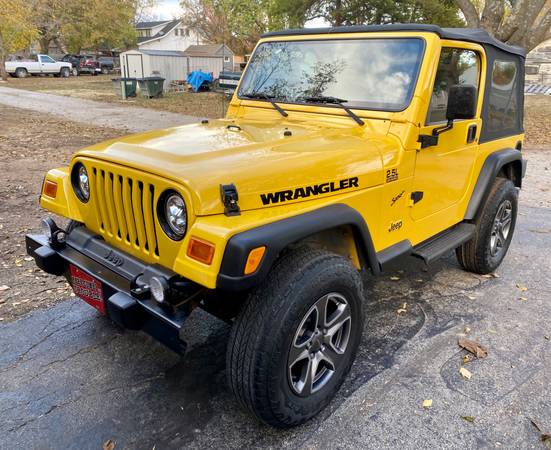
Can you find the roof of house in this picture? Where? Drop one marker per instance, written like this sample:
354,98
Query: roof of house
208,50
145,25
162,52
476,35
161,34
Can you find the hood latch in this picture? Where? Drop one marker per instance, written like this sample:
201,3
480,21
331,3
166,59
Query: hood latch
229,195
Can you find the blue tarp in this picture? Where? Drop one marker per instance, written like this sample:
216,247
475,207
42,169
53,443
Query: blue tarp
196,79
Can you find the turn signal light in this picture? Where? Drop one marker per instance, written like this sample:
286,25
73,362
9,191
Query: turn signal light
50,188
254,259
200,250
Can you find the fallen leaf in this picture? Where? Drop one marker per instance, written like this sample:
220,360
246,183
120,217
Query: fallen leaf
523,298
466,359
491,275
472,297
109,445
427,403
394,278
547,337
536,425
546,439
470,419
4,288
467,330
28,258
474,347
521,287
465,373
402,309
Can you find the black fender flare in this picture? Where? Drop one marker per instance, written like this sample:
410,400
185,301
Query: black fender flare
277,235
490,169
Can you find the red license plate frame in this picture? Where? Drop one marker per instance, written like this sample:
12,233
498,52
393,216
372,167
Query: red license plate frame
87,288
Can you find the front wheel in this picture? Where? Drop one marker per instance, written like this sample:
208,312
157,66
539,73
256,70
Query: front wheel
65,72
494,230
295,339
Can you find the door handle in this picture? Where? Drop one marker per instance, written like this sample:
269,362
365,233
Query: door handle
471,133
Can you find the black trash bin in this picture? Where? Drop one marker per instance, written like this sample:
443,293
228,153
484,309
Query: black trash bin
125,87
151,86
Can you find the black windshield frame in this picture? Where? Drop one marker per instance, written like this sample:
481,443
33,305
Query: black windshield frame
407,102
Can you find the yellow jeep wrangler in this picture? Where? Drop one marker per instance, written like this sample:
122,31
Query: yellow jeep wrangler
343,150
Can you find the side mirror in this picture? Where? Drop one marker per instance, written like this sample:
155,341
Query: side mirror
461,102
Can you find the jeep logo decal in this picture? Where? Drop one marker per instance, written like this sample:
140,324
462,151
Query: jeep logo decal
308,191
113,258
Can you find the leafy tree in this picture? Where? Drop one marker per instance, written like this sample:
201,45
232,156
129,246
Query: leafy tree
519,22
16,29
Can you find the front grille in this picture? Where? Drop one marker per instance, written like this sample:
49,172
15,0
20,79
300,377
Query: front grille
125,210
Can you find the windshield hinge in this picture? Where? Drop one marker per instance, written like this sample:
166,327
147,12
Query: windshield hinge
229,195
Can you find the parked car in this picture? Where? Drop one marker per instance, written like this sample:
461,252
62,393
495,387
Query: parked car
107,64
337,158
37,65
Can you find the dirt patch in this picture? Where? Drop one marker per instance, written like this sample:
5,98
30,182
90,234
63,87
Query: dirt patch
100,88
30,144
537,122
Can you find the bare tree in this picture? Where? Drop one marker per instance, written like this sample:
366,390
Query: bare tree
526,23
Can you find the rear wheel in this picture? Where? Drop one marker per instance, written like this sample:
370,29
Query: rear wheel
21,72
494,230
295,339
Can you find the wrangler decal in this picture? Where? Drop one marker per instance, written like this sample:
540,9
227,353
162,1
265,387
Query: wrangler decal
398,197
308,191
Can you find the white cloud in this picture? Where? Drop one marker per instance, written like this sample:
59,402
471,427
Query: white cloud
166,10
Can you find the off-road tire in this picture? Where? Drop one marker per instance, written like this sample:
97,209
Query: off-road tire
21,72
72,225
265,329
475,255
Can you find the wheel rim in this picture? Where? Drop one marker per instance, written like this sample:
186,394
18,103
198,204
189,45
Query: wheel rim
319,344
501,227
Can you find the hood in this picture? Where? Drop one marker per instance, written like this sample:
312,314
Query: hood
269,163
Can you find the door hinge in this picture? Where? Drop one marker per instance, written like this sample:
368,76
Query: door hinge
229,195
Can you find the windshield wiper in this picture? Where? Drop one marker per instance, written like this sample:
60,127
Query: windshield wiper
260,96
334,101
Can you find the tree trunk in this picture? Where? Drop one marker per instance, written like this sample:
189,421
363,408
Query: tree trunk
3,74
338,16
45,44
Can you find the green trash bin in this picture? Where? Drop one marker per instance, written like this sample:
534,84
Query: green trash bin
125,87
151,86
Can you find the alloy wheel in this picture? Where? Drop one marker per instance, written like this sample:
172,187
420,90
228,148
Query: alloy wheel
501,227
319,344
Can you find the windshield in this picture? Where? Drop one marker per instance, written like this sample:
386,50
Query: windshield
364,73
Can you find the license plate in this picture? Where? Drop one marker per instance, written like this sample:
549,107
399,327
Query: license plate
87,288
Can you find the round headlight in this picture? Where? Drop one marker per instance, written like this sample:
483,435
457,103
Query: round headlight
173,215
81,182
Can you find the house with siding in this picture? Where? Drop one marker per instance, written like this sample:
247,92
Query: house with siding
165,35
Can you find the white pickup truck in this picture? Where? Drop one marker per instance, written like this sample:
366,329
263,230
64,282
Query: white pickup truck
38,64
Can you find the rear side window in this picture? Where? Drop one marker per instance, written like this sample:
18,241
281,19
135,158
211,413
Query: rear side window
456,66
503,102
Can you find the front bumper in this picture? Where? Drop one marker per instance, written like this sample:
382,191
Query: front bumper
124,281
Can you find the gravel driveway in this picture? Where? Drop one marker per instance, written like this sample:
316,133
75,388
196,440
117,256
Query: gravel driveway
90,112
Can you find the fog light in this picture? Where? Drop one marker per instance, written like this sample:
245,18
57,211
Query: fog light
48,227
159,289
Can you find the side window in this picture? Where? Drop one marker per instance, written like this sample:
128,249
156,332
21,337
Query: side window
503,102
46,59
456,66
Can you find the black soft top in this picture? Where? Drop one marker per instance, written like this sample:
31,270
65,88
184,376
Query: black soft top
476,35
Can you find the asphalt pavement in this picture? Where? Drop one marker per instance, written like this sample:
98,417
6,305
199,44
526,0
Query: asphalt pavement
69,378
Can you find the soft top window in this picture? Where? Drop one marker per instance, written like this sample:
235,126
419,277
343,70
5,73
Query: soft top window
503,105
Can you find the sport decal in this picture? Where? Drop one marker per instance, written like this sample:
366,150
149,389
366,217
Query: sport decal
308,191
398,197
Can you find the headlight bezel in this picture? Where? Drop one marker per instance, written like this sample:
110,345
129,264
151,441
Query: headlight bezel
77,182
162,214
